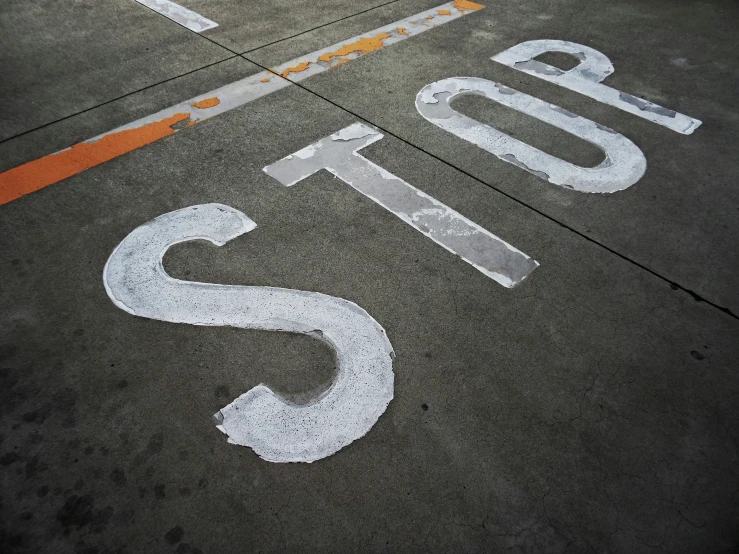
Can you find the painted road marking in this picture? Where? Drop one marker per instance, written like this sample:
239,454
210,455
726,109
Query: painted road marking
276,430
40,173
586,78
187,18
623,166
339,154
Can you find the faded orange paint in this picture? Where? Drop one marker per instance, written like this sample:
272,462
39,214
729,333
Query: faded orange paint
430,17
362,46
35,175
207,103
296,69
467,5
445,12
265,80
401,31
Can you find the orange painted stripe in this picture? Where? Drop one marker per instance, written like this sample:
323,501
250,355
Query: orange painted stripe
362,46
48,170
462,5
207,103
53,168
296,69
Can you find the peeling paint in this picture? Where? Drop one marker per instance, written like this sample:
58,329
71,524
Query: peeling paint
624,162
277,430
515,161
361,47
179,14
586,78
342,61
369,42
467,6
505,90
295,69
207,103
533,66
35,175
565,112
647,106
444,12
234,95
339,154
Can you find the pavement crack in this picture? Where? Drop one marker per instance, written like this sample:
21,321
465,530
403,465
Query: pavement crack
624,257
117,98
318,27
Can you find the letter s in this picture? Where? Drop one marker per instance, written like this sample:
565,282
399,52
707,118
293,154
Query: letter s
278,431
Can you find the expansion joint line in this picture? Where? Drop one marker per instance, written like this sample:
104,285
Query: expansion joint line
674,285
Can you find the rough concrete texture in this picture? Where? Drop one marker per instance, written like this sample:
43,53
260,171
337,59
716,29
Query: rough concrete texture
246,25
681,219
592,408
59,58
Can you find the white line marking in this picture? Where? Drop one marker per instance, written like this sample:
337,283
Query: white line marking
586,78
52,168
278,431
339,154
624,162
263,83
187,18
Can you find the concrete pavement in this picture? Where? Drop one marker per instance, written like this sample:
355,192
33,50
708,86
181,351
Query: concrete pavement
590,408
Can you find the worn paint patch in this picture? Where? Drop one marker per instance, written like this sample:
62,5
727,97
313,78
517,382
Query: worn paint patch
179,14
444,12
586,78
295,69
277,430
624,162
35,175
256,86
466,5
342,61
362,46
339,154
647,106
207,103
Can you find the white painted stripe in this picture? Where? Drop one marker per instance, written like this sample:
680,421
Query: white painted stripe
277,430
586,78
339,154
50,169
187,18
263,83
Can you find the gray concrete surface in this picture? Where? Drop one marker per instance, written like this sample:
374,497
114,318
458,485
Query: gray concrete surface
246,25
59,58
590,409
681,219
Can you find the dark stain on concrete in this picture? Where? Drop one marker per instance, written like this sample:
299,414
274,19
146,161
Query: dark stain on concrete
174,535
78,512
